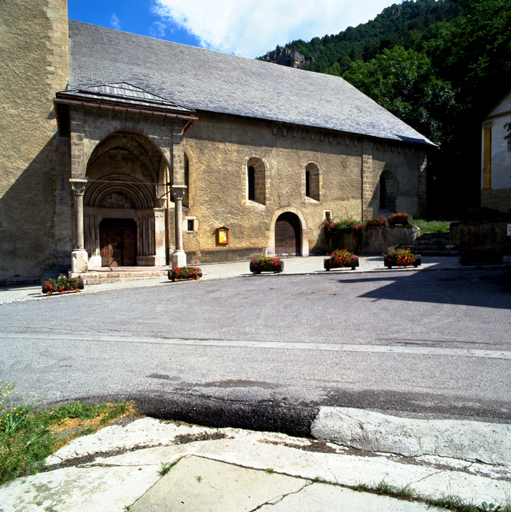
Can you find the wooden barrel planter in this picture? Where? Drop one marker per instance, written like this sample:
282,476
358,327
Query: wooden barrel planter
185,274
276,268
389,262
353,263
400,219
62,285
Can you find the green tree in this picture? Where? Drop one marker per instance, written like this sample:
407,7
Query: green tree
404,82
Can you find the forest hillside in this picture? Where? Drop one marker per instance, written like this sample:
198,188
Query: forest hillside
440,66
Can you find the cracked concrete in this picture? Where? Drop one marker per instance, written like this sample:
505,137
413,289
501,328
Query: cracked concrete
233,469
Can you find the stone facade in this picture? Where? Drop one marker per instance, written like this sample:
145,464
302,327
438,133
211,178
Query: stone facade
496,158
35,215
64,191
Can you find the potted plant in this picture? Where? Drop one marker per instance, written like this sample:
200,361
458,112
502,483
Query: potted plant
397,257
61,285
191,272
487,254
341,258
400,218
266,264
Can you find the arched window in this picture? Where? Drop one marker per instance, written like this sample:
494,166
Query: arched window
312,179
256,181
387,191
251,183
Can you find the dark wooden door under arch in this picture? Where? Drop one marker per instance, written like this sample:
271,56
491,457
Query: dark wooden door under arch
287,235
118,242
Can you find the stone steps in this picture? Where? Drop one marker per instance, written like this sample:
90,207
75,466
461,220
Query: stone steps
434,244
124,274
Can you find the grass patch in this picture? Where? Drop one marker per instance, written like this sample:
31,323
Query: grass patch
28,435
452,503
432,226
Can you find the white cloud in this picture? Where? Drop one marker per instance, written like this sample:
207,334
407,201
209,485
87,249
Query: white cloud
253,27
157,29
115,21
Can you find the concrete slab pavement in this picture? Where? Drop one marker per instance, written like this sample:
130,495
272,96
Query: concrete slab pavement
119,468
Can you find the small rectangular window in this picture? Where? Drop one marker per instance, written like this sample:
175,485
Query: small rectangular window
190,225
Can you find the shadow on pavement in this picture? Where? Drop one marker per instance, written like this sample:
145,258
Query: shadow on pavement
468,287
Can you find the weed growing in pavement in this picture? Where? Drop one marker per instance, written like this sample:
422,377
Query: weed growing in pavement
270,471
28,435
449,502
199,478
319,479
166,467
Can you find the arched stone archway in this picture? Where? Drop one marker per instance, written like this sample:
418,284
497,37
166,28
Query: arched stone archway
288,220
124,202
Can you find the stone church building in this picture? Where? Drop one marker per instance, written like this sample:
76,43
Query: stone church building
123,150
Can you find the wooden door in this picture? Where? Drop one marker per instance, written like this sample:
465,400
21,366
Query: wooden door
118,242
287,235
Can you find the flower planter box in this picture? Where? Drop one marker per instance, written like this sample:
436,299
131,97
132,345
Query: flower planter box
184,274
277,267
400,218
62,285
353,263
486,256
391,262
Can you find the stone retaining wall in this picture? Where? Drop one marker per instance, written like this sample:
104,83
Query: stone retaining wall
377,240
478,233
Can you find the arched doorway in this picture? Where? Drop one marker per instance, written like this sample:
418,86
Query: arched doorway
288,235
124,203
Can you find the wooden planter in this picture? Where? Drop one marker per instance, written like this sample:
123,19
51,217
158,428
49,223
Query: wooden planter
48,290
389,263
353,263
172,276
465,258
406,221
257,269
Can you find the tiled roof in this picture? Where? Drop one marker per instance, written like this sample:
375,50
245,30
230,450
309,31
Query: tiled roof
217,82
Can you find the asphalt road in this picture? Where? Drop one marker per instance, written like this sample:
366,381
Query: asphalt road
427,344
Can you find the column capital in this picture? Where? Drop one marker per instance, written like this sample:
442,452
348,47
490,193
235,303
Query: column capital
178,191
78,186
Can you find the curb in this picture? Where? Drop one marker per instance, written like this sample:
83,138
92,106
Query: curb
359,429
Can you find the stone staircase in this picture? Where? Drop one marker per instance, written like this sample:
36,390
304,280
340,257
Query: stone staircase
434,244
116,274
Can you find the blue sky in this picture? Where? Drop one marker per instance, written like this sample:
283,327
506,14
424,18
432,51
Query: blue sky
248,28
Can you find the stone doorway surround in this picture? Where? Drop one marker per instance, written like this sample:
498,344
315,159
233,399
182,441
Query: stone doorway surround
304,235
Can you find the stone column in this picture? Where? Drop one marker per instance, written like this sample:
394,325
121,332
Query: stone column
79,257
179,256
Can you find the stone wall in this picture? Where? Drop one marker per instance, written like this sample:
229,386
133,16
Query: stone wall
377,240
220,147
35,217
497,199
471,233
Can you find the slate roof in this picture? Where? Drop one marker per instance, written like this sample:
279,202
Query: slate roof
217,82
124,93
